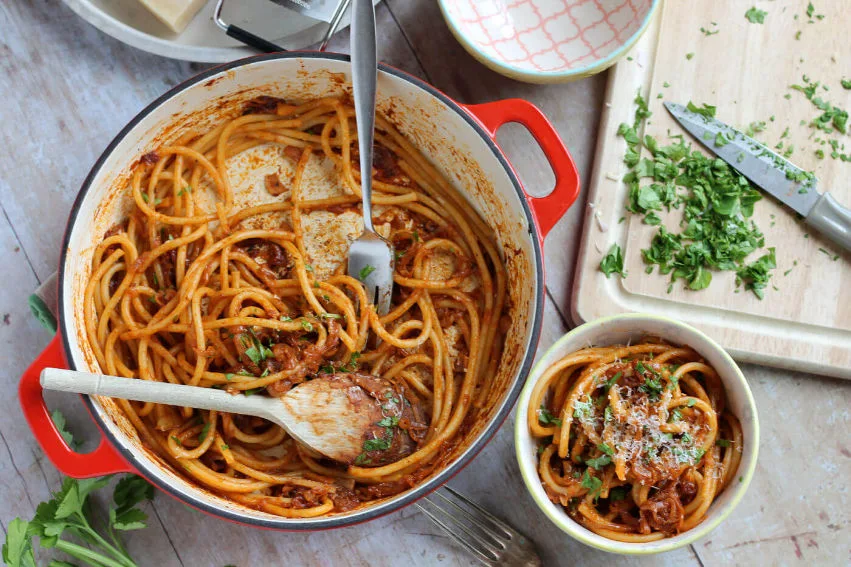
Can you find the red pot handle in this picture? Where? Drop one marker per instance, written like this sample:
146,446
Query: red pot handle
105,459
548,210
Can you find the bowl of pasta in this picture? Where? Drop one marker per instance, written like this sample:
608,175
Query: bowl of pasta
636,434
208,247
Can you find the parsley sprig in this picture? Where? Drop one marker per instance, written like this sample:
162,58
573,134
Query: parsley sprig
69,517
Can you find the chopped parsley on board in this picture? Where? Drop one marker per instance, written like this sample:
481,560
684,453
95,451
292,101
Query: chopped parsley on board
715,233
832,120
755,16
612,263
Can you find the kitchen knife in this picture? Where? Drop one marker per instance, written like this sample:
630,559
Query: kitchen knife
791,185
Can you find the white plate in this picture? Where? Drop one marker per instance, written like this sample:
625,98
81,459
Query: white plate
130,22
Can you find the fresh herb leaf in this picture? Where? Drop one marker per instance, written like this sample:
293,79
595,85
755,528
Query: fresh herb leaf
306,325
59,421
362,459
604,447
204,431
547,418
599,462
618,493
592,483
706,110
756,275
252,391
380,444
755,16
365,271
612,381
389,421
612,263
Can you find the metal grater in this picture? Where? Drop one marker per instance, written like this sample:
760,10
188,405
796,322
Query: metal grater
317,9
330,11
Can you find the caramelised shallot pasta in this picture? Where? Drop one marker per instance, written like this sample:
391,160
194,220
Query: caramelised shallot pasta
210,296
634,441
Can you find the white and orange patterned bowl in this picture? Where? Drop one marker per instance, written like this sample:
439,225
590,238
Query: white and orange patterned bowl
547,41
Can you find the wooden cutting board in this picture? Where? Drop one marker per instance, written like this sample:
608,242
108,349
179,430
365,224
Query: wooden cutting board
745,70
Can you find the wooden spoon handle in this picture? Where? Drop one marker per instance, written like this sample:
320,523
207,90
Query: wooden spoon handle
157,392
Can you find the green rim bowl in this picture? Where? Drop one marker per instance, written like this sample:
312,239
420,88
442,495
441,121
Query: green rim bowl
548,41
622,329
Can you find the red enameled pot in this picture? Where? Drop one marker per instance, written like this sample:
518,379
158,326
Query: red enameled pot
459,139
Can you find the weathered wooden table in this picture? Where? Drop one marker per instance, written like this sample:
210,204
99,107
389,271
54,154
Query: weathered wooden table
66,89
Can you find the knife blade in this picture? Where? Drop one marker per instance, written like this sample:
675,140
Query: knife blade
772,173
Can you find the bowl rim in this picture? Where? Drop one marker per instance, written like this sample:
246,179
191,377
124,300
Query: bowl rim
193,498
572,528
523,74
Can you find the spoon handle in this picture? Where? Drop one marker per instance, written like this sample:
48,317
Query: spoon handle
157,392
364,84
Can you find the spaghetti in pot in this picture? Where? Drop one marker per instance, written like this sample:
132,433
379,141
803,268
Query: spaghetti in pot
634,441
208,298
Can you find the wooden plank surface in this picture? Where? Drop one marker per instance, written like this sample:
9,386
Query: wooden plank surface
804,321
68,89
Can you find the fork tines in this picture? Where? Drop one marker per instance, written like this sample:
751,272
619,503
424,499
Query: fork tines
483,535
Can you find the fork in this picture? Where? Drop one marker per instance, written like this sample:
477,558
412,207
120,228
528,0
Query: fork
370,256
484,536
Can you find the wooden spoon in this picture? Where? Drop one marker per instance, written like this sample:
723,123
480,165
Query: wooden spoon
330,414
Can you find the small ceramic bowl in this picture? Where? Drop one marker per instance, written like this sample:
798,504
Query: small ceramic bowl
622,329
547,41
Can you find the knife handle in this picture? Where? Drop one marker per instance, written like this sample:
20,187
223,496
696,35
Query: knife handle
832,220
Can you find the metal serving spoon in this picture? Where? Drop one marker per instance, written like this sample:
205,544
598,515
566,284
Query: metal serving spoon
325,414
370,256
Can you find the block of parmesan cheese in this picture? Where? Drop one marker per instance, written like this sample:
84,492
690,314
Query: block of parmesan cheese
176,14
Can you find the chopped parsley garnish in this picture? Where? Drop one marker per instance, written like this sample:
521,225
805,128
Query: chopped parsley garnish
599,462
604,447
676,415
618,493
691,403
689,56
380,444
846,83
592,483
306,325
547,418
365,271
204,431
389,421
723,442
612,263
611,381
582,409
252,391
652,387
756,16
362,459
